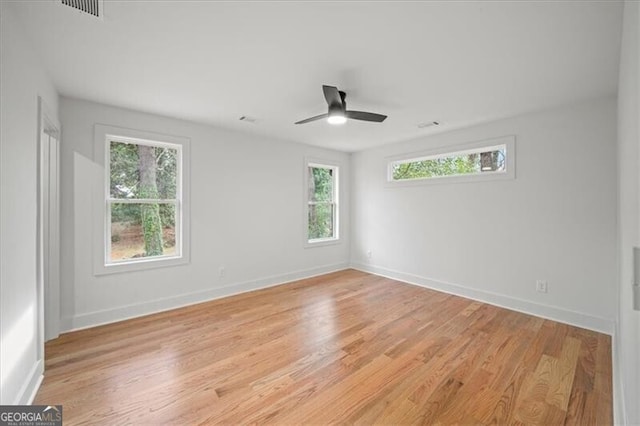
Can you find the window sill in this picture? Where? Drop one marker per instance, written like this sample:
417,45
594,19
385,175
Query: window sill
140,265
322,242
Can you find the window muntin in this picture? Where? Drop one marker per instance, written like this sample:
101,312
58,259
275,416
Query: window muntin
322,203
478,161
143,203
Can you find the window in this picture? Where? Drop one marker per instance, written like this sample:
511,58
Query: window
322,203
143,207
144,200
480,160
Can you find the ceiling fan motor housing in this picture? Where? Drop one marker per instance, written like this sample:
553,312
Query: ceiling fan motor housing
336,108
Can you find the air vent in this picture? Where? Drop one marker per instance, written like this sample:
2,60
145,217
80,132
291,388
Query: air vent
428,124
91,7
248,119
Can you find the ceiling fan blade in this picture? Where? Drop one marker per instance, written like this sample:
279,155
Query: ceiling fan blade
332,95
308,120
365,116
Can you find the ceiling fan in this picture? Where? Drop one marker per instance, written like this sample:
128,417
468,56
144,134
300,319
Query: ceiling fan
338,113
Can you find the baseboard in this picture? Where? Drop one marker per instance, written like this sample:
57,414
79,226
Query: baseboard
108,316
27,393
619,410
554,313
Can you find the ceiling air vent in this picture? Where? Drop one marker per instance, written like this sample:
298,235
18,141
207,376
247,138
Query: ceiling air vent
248,119
428,124
91,7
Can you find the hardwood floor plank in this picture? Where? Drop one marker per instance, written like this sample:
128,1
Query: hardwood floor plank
533,406
504,410
580,410
346,347
563,375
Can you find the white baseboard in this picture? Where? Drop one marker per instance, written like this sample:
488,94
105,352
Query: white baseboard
27,393
578,319
96,318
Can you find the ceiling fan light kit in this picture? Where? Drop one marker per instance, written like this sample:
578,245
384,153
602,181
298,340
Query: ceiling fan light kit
337,109
336,119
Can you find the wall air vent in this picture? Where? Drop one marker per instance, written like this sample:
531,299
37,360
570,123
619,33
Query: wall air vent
91,7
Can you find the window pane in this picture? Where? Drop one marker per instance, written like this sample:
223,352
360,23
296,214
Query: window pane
142,171
142,230
320,184
321,221
451,165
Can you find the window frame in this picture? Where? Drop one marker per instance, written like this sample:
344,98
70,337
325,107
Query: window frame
508,142
324,164
103,136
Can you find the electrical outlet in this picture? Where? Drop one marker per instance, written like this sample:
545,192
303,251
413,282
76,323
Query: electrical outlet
221,271
542,286
368,254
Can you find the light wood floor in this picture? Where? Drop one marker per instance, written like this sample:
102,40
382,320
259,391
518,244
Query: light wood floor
347,347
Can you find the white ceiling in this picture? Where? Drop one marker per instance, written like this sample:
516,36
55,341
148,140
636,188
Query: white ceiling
455,62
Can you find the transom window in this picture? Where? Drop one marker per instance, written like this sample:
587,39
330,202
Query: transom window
144,200
322,202
480,160
483,160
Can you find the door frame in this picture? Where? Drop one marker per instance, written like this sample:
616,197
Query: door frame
48,225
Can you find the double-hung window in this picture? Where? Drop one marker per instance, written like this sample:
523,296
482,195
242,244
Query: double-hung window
322,203
144,203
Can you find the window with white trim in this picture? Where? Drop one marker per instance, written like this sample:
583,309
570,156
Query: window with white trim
141,212
144,202
322,202
484,160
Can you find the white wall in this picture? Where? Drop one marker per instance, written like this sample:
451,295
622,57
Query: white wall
492,240
22,81
246,214
628,336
